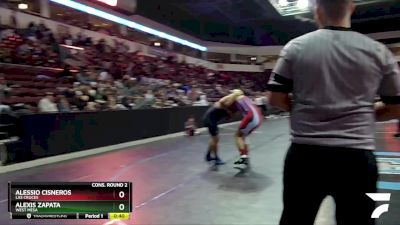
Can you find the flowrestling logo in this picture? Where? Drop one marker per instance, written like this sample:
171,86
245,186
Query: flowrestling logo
380,197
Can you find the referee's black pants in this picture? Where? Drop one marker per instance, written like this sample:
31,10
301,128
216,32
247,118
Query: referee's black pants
313,172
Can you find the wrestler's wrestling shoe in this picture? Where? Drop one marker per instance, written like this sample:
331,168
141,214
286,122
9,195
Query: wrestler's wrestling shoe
218,161
243,162
208,157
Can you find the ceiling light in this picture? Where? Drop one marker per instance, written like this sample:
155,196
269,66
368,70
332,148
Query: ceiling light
303,4
109,2
22,6
283,3
128,23
73,47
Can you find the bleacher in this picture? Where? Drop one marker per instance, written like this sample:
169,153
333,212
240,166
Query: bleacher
27,85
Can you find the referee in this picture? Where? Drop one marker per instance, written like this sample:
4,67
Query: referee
334,74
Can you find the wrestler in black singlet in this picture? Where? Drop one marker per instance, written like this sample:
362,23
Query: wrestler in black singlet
212,117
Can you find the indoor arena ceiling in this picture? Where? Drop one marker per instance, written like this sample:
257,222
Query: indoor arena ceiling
257,22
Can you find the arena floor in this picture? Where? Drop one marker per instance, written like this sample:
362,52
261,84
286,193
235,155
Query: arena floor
173,185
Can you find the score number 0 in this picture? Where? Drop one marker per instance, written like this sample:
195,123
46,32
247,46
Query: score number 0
121,195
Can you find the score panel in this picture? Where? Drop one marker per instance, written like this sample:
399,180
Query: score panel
78,200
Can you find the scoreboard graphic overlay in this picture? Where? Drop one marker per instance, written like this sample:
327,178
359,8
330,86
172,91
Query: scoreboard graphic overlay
65,200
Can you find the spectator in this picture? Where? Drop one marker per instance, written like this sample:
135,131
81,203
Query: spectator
66,73
104,75
128,87
92,75
39,46
101,105
6,33
81,38
148,100
112,104
63,104
128,102
31,31
190,126
47,104
91,106
101,46
24,49
202,101
4,109
83,77
21,109
92,93
80,100
182,98
4,89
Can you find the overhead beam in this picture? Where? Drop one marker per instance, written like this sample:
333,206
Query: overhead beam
291,8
